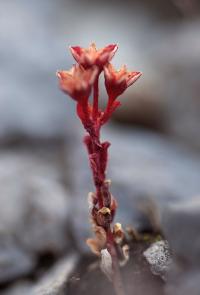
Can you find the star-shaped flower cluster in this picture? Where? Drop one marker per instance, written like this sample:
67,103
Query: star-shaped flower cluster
83,77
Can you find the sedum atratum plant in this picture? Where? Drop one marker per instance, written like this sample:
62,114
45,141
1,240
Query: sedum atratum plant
79,82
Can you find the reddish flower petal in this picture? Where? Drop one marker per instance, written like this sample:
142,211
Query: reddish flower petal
133,78
77,82
88,57
117,82
76,52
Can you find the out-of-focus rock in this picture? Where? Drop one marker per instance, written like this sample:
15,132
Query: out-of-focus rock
159,257
142,107
34,204
15,261
21,288
180,68
183,283
55,281
52,283
34,210
166,98
32,49
180,222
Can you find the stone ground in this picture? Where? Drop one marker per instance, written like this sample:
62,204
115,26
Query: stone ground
137,276
44,217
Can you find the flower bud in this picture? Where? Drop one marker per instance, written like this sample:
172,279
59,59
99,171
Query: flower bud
77,82
117,82
88,57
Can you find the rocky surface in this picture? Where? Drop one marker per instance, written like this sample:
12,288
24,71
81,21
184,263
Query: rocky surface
159,257
152,190
167,96
88,277
15,260
183,283
34,206
52,283
180,222
31,52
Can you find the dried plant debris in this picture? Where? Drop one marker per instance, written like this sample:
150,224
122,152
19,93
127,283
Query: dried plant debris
106,264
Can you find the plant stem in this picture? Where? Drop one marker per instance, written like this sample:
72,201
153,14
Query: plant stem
102,191
95,98
116,278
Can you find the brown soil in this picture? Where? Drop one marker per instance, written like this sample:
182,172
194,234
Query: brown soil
137,277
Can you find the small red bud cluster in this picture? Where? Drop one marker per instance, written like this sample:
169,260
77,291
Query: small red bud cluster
79,82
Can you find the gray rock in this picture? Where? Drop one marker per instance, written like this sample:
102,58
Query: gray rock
181,71
180,222
54,282
15,261
31,52
20,288
34,208
166,96
159,257
184,283
34,204
51,283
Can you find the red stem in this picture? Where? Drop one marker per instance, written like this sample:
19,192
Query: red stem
116,278
95,98
107,111
99,197
102,191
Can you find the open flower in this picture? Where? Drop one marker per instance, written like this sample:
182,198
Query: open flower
117,82
88,57
77,82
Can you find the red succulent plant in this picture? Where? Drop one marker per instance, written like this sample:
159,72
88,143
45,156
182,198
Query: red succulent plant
79,83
